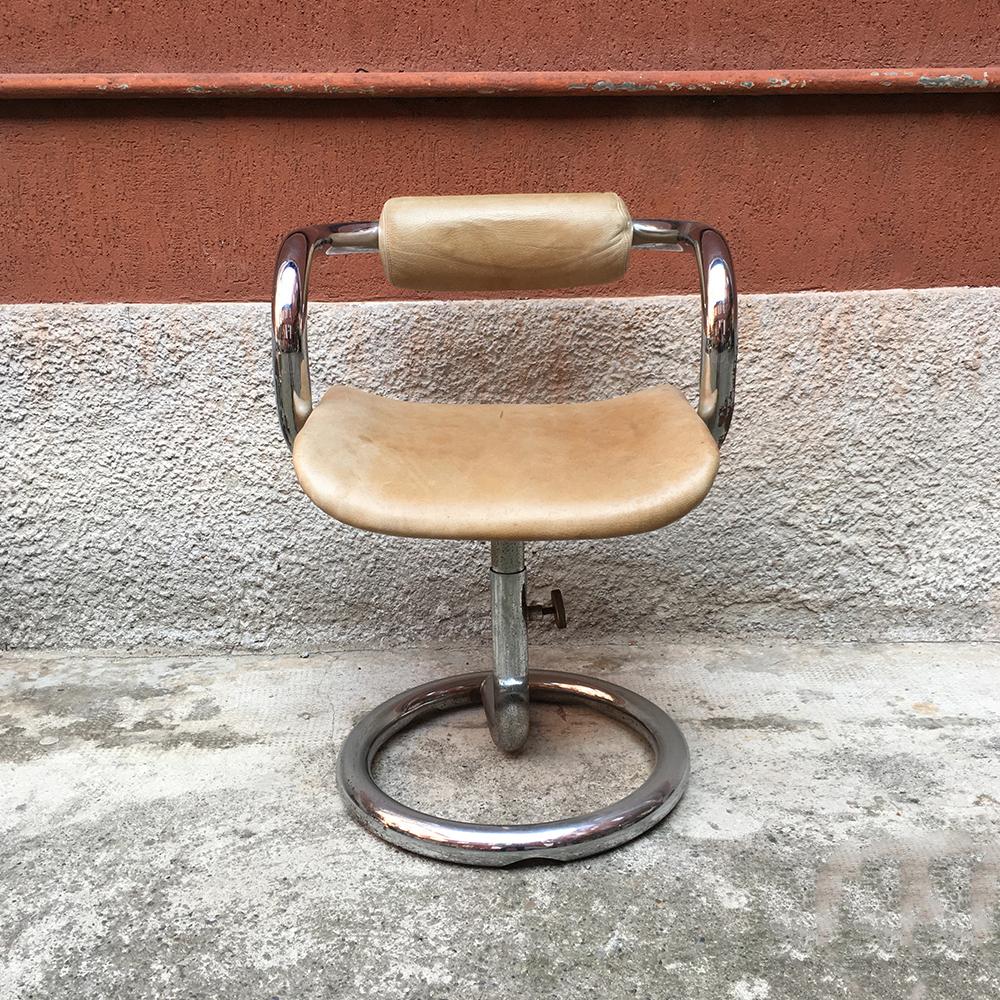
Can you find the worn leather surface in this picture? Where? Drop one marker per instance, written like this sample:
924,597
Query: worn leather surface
504,241
525,472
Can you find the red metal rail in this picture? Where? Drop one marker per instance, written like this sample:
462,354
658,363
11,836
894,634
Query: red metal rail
911,79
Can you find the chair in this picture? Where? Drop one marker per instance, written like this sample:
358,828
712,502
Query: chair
507,474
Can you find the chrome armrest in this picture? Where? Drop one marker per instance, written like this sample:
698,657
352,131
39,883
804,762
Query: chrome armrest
717,381
290,356
289,307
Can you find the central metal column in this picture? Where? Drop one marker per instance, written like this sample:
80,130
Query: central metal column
505,691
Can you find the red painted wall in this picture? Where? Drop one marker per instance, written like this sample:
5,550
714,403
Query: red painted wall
165,201
178,200
83,35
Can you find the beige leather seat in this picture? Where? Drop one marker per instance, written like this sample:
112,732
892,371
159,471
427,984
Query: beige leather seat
524,472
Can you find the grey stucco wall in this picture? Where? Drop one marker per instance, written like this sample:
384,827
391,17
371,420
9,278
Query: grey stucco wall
149,501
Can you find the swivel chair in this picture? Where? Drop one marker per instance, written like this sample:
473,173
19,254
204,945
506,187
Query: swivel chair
507,474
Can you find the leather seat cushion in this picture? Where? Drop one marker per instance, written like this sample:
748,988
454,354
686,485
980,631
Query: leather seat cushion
492,471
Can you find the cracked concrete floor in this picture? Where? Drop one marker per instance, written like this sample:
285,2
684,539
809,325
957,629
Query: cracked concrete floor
170,828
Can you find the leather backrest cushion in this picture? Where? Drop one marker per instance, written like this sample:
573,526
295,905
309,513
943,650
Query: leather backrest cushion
504,241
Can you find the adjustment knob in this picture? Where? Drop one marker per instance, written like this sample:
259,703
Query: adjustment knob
536,612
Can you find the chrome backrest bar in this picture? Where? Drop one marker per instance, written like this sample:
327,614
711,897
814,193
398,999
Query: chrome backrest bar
656,234
290,356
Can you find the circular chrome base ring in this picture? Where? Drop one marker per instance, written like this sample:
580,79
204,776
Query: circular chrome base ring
495,846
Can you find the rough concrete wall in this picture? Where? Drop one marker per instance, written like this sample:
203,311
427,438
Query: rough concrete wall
148,499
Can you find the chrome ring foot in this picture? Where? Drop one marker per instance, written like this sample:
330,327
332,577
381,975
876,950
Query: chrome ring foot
496,846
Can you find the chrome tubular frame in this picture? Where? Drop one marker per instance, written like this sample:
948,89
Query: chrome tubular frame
289,309
717,381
